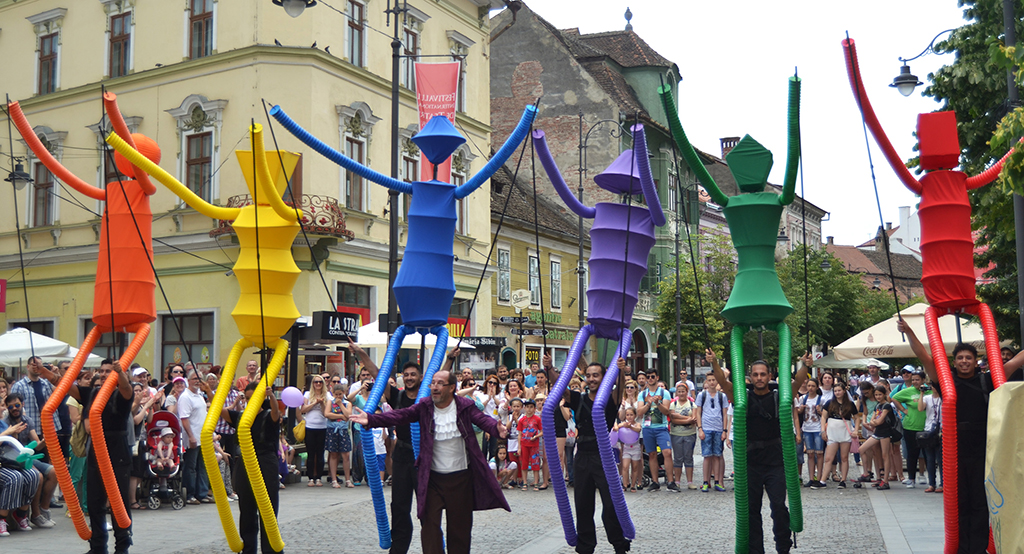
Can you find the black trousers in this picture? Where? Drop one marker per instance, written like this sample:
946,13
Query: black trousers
403,488
229,444
96,499
589,479
249,521
973,506
315,444
770,479
451,493
913,452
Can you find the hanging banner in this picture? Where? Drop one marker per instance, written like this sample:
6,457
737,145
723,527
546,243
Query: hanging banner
437,86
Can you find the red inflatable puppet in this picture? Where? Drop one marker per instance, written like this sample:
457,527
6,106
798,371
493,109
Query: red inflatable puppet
947,252
123,300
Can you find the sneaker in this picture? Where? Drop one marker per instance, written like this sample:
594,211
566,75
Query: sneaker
672,487
692,486
705,487
233,497
866,478
911,485
922,480
3,528
815,485
22,523
842,484
719,487
192,501
907,482
809,484
41,522
46,513
654,487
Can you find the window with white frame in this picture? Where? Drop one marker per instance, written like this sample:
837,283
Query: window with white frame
535,291
47,26
199,129
411,32
459,45
556,283
672,198
201,36
43,203
355,123
504,274
355,33
42,197
461,161
120,34
410,172
187,337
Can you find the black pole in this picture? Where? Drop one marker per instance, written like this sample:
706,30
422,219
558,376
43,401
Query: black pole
581,268
396,59
293,369
1018,201
679,294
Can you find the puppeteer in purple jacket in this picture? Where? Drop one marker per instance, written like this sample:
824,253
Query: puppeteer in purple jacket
486,490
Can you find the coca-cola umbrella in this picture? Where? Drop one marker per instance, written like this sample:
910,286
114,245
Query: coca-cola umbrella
882,340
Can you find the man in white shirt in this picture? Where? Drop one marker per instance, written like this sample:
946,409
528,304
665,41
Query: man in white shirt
192,412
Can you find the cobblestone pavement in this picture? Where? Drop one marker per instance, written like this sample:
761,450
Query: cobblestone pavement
318,520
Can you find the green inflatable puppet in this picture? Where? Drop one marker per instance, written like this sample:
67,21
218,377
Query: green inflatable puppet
756,299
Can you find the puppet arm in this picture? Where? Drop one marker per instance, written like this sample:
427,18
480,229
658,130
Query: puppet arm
265,182
990,174
857,83
793,152
47,159
121,128
183,192
686,149
541,145
643,166
502,156
337,157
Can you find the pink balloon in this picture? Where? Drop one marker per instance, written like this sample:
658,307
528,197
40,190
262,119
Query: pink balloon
292,397
628,436
613,437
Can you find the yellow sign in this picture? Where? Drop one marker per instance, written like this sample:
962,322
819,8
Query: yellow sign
205,354
177,355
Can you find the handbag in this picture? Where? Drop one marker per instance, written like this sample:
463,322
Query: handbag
299,432
79,439
928,438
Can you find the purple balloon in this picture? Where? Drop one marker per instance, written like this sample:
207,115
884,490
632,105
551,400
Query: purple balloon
292,397
613,437
628,436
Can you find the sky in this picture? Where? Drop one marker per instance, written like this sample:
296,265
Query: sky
735,58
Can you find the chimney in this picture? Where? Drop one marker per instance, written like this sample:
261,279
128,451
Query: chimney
888,226
831,241
728,143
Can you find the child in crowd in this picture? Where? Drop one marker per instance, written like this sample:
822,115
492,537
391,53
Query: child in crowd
224,463
541,454
632,459
381,450
530,433
165,451
503,467
711,409
511,416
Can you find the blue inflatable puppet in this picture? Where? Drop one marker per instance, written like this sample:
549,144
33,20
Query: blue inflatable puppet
425,286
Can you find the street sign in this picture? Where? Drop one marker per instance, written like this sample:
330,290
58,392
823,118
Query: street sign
513,320
530,332
521,299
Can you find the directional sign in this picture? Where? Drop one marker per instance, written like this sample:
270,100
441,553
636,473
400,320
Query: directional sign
507,319
532,332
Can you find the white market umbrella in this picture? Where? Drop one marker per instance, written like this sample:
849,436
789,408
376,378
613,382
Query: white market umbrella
16,348
830,362
884,341
370,336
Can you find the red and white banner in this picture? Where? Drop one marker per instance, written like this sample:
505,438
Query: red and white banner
437,86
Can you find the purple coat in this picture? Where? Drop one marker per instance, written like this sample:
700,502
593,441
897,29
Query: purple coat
486,490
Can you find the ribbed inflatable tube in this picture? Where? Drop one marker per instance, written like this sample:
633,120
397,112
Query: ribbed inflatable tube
213,415
796,509
741,492
436,361
604,446
950,464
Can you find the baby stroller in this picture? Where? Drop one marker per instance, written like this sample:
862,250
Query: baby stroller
163,483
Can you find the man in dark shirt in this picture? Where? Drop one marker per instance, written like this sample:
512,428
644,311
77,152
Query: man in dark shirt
765,469
115,421
588,473
403,461
266,430
972,391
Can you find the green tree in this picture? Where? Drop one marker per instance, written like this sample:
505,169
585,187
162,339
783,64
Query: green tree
974,86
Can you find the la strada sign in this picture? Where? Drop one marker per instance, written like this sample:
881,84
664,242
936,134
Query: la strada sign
335,325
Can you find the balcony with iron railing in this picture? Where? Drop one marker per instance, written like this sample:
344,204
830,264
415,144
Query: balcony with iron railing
321,216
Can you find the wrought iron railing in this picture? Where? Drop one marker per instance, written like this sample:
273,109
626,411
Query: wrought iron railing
321,216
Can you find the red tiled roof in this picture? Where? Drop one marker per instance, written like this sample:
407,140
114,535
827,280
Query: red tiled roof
626,48
871,243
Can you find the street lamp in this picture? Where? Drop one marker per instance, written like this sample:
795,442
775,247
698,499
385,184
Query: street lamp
294,8
825,265
906,81
18,177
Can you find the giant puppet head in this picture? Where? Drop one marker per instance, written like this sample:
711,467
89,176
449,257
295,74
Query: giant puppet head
750,164
937,140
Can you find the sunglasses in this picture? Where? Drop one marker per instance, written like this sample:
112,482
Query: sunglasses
630,388
15,406
335,380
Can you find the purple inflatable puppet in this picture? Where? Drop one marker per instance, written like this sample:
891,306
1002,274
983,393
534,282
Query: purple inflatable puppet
621,239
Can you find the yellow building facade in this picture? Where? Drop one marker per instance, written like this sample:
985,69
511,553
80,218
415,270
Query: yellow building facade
192,75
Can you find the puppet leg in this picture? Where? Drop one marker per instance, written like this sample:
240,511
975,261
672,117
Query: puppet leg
50,432
436,360
739,441
227,520
547,418
995,360
796,511
369,455
99,440
252,465
604,445
950,465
